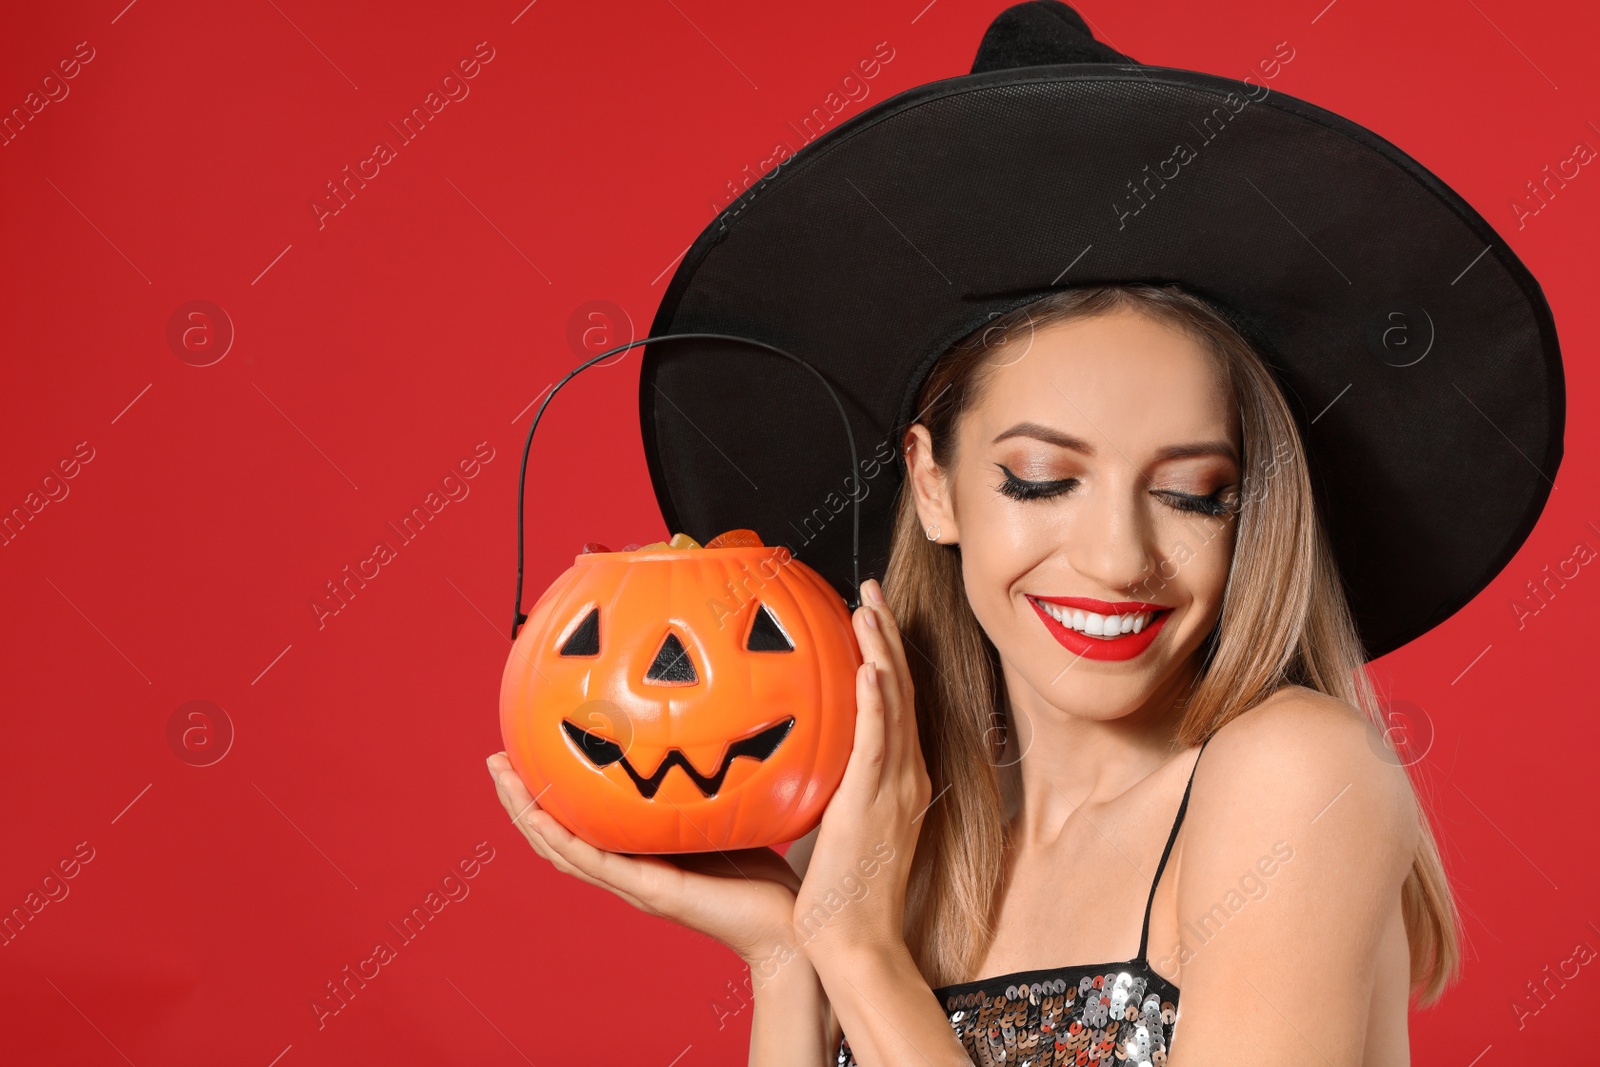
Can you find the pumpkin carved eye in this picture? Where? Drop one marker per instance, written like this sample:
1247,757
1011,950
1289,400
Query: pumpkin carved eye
765,633
672,665
585,640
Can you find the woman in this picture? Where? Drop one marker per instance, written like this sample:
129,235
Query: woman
1256,435
1120,444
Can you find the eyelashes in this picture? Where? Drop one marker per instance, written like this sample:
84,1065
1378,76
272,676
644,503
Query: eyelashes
1214,505
1021,489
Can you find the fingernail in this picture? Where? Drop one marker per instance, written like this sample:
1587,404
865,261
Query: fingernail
490,764
872,620
872,591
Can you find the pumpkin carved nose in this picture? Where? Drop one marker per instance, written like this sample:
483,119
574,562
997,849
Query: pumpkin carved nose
672,665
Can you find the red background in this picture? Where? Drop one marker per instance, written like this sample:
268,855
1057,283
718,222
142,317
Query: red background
374,351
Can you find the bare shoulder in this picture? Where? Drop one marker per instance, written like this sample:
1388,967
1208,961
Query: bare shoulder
1304,765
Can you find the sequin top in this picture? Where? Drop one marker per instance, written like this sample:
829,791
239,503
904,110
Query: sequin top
1077,1015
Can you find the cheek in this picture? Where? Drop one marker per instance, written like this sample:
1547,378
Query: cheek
1002,533
1199,560
1000,543
988,595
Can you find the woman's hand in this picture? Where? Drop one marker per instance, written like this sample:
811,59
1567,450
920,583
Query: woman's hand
744,898
853,894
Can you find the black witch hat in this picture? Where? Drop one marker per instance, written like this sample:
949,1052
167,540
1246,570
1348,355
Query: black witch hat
1418,352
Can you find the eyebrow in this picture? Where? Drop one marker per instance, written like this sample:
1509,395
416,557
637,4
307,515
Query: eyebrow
1066,440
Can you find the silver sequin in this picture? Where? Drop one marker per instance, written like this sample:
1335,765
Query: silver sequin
1117,1018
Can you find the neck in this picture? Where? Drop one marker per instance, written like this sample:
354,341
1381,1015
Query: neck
1059,759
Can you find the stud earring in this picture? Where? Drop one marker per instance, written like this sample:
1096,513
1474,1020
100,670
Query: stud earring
933,532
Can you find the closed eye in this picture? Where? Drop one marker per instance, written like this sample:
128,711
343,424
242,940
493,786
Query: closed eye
1022,489
1216,504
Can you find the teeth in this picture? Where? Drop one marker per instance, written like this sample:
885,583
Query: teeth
1103,626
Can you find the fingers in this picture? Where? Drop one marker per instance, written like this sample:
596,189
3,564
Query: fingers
901,675
876,695
881,644
872,596
521,807
746,863
567,852
871,727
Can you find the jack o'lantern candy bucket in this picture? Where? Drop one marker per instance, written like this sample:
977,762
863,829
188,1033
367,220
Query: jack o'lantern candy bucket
683,699
678,698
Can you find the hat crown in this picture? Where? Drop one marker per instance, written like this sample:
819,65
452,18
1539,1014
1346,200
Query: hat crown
1038,33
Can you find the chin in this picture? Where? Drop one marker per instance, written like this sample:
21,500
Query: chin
1099,698
1081,687
1095,688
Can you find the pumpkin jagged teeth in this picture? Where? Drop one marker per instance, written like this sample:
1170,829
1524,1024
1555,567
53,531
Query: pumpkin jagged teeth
646,758
704,759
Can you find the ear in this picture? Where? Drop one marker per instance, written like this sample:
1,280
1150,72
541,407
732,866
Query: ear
929,486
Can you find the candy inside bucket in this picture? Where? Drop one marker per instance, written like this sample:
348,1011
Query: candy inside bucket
730,539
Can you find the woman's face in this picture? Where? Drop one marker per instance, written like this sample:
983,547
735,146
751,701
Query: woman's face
1090,494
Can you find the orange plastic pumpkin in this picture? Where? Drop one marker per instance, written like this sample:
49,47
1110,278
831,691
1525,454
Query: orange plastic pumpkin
683,699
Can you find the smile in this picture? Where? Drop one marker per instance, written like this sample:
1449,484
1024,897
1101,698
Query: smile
1100,629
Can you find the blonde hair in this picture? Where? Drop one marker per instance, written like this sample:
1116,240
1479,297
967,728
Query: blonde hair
1284,621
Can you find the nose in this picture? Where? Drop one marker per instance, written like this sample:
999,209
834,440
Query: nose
1111,539
672,665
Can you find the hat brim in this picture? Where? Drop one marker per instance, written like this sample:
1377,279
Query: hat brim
1418,352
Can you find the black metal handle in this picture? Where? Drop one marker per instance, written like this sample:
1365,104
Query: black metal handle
518,617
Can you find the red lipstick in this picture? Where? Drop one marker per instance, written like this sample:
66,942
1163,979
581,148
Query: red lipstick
1126,646
1100,607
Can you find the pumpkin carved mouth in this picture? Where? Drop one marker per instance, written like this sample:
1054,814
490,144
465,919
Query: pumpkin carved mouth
603,752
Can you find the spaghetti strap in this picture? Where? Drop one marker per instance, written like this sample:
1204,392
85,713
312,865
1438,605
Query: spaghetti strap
1144,934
